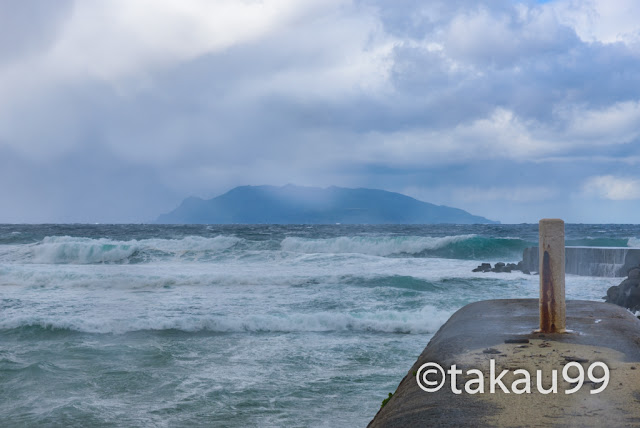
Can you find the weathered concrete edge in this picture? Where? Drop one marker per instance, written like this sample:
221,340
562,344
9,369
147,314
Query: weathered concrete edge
488,323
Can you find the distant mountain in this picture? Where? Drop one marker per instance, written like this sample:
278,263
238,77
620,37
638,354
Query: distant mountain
312,205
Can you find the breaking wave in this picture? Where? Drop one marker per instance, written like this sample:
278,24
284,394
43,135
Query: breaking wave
375,246
68,250
427,320
456,247
75,250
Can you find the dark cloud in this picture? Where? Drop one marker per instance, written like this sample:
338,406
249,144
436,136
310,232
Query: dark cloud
439,99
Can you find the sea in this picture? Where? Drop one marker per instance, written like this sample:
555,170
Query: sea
241,325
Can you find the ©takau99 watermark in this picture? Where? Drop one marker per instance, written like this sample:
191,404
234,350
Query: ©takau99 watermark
431,377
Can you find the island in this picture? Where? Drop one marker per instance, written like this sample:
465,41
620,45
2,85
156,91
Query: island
313,205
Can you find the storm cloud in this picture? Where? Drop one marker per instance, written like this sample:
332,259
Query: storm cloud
114,111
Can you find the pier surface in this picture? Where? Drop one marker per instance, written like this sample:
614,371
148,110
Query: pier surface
478,333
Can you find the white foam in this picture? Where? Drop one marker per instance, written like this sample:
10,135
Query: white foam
633,242
191,243
427,320
70,250
64,249
376,246
299,270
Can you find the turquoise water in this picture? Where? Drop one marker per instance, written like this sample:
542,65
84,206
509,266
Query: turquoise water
135,325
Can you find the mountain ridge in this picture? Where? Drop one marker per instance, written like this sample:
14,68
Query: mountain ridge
292,204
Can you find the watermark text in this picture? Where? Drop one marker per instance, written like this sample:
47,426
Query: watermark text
431,377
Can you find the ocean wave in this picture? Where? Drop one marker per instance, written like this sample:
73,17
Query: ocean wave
455,247
70,250
427,320
393,281
375,246
76,250
589,241
64,249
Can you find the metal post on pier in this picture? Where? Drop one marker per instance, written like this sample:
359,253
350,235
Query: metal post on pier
552,260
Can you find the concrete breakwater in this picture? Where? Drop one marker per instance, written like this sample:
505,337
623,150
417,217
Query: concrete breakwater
590,261
504,331
528,342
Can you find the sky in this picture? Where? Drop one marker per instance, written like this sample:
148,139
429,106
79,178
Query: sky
115,111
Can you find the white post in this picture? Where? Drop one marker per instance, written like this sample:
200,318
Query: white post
552,301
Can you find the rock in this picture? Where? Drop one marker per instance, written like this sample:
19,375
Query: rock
612,294
484,267
627,293
499,267
634,294
526,271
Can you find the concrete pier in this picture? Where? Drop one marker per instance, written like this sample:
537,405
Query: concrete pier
497,330
488,365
